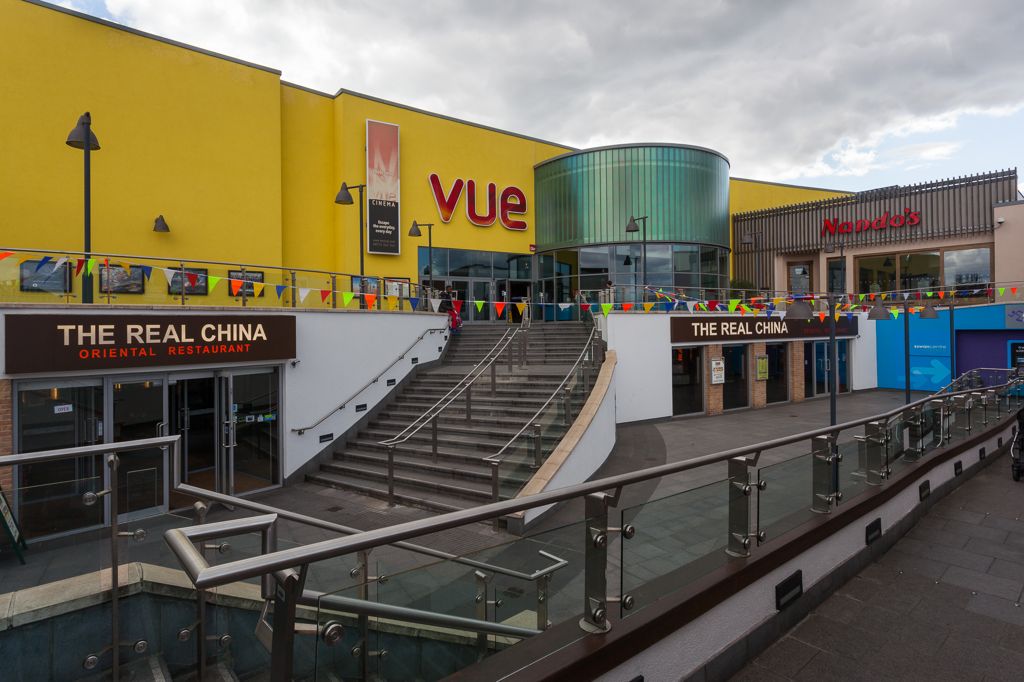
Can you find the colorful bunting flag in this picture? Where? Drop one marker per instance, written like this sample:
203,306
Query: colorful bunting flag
324,295
347,296
213,281
712,305
942,294
647,307
1002,290
43,261
669,305
193,279
606,308
392,302
5,254
435,303
81,264
168,274
733,302
479,306
457,304
895,313
303,293
499,308
257,289
584,307
520,307
147,270
626,307
371,300
821,317
871,296
234,286
1013,290
280,289
564,306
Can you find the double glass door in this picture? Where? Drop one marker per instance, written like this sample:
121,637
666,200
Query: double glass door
469,291
816,367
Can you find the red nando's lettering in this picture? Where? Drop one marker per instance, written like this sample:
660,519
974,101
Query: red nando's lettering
909,217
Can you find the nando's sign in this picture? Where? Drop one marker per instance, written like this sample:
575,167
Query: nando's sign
726,329
908,218
60,343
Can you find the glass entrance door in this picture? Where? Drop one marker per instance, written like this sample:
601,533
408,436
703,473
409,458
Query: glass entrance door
137,411
481,292
254,430
192,408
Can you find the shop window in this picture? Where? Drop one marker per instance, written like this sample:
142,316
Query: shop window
659,259
799,277
546,263
593,259
723,263
626,258
708,260
967,268
919,271
519,266
685,258
837,275
876,273
499,265
465,263
440,262
566,262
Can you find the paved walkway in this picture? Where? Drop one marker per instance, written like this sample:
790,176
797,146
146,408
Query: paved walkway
943,604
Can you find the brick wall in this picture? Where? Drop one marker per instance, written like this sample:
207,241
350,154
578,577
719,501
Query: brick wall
6,432
796,371
758,389
712,393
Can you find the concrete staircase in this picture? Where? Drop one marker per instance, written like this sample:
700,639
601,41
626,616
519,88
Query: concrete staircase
458,477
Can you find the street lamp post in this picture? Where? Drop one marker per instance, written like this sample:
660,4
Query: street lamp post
344,198
878,312
631,226
82,137
414,231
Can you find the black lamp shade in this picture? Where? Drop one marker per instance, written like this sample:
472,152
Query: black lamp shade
160,225
414,231
631,226
878,312
627,261
344,196
799,310
82,132
929,313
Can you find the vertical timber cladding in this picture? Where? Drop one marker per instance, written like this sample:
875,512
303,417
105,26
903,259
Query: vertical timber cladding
383,189
944,208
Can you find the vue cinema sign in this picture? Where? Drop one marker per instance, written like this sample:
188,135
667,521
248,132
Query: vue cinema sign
908,218
60,343
506,206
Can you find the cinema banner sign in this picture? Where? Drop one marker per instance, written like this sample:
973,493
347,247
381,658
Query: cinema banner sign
62,343
728,329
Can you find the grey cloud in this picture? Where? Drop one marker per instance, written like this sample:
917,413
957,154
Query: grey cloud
773,85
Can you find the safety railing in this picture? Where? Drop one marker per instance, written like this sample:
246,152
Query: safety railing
527,450
689,532
371,382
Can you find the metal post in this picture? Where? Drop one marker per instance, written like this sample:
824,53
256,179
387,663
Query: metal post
939,432
585,368
494,379
243,287
115,624
87,278
469,403
823,480
543,585
184,281
739,508
595,581
294,290
567,405
481,611
334,290
913,422
952,341
522,348
833,361
362,249
508,353
906,350
363,565
433,437
538,455
495,488
430,255
283,643
875,436
391,474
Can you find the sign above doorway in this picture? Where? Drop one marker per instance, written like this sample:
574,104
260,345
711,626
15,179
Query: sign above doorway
60,343
723,329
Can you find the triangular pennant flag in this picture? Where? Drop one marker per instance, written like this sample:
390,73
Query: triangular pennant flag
90,265
257,288
564,306
895,313
606,308
234,286
778,299
213,281
781,314
499,308
626,307
883,296
906,296
43,261
346,298
1002,290
669,305
147,270
821,317
457,304
80,265
479,306
435,303
712,306
371,300
392,302
837,315
414,302
929,294
5,254
193,279
584,307
520,307
1013,290
280,289
942,294
647,307
168,273
849,316
303,293
324,295
733,302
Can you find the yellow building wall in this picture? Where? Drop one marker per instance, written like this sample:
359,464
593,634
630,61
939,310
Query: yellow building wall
753,195
432,144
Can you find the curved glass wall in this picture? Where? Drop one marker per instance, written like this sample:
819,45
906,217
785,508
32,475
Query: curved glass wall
587,197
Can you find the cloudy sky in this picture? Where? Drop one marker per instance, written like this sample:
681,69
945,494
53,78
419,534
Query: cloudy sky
851,94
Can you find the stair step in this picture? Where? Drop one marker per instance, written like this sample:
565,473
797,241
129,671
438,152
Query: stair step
403,495
445,429
423,452
479,470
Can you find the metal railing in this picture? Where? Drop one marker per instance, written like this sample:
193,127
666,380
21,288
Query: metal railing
371,382
949,412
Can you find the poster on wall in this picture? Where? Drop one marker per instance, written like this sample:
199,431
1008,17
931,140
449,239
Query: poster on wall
717,370
383,189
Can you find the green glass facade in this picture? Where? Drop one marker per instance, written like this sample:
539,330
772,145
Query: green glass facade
586,197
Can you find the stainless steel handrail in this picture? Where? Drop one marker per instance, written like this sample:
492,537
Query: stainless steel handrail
496,457
458,389
215,576
371,382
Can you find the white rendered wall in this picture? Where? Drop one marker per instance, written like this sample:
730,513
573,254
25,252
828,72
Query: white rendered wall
643,376
863,359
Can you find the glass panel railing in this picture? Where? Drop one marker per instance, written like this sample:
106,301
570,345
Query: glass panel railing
852,469
418,650
683,534
786,501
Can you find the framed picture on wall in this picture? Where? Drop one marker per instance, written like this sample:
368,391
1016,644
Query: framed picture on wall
248,277
194,286
35,275
116,279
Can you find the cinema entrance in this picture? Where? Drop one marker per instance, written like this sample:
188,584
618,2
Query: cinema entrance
228,420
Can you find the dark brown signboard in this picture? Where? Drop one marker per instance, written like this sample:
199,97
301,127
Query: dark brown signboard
726,329
61,343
